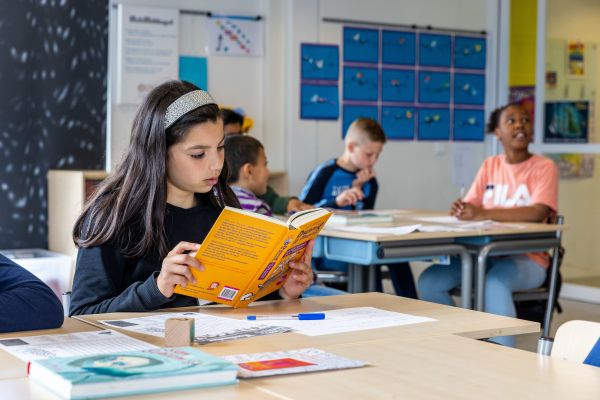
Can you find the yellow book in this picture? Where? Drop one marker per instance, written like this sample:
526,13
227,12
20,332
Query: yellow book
246,255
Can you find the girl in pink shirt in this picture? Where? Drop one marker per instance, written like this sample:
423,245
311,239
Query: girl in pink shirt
515,186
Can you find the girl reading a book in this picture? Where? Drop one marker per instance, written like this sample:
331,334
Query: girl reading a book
511,187
137,232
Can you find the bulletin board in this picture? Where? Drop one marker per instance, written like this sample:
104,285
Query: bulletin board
419,84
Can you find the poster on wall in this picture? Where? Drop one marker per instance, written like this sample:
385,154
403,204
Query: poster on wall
319,61
566,122
319,101
235,35
576,59
147,50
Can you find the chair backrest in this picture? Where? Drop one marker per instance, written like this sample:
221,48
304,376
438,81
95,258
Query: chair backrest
575,339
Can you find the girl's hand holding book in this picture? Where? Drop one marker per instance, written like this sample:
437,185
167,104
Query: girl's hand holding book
301,277
175,268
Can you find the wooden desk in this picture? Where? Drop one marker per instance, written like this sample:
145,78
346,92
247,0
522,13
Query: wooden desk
422,361
366,249
13,367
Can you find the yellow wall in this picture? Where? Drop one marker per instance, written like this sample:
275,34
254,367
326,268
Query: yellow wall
523,26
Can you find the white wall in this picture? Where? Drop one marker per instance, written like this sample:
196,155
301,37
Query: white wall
411,174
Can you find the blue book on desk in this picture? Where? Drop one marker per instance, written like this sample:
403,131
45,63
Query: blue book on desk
132,372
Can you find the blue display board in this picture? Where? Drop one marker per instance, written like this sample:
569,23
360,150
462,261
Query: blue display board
319,102
352,113
468,125
421,84
398,85
469,89
194,70
469,53
435,50
399,48
434,124
360,83
434,87
319,62
398,122
361,45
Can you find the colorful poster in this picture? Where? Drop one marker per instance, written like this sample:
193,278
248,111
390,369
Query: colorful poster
435,50
147,50
434,124
434,87
361,45
469,53
235,36
398,85
576,59
360,83
319,62
398,122
468,125
469,89
574,165
319,101
399,48
354,112
194,70
566,122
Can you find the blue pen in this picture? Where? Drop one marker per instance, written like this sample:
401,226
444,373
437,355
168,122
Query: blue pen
301,317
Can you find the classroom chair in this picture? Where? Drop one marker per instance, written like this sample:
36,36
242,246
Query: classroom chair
578,341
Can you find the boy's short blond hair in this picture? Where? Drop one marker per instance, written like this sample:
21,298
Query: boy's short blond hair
365,128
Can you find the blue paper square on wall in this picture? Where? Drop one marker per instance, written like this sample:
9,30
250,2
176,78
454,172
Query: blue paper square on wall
398,48
469,89
397,85
360,83
361,45
434,124
319,62
434,50
398,122
352,113
434,87
468,125
319,102
469,52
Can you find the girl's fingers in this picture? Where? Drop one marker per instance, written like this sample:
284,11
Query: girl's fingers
182,247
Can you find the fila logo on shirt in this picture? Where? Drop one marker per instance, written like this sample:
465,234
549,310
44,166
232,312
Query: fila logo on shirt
498,196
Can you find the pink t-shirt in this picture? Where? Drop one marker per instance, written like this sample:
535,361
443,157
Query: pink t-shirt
499,184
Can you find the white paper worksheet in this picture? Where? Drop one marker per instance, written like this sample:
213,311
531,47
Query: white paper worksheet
29,348
208,328
350,320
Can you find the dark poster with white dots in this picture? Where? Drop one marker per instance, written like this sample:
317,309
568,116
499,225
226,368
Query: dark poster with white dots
53,63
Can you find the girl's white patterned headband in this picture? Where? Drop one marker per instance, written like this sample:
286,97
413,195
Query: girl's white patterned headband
186,103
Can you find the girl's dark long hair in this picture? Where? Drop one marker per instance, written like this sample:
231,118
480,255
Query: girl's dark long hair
128,208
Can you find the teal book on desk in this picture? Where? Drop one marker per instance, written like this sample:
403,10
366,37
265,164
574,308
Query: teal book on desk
131,372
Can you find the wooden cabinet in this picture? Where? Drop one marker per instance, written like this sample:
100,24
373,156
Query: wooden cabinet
67,193
278,180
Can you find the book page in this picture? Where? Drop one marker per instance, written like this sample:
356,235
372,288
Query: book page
351,320
289,362
208,328
234,253
29,348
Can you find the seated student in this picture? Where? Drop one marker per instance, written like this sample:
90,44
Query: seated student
26,303
246,159
136,233
515,186
349,183
238,124
249,175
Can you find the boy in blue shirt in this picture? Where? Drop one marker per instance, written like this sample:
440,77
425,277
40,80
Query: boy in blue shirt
26,303
349,183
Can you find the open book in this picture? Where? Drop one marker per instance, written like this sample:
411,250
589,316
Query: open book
246,254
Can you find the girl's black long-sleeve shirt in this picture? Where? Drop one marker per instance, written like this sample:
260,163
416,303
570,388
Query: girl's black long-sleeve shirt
105,281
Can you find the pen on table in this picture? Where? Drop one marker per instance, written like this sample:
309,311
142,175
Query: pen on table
462,191
301,317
